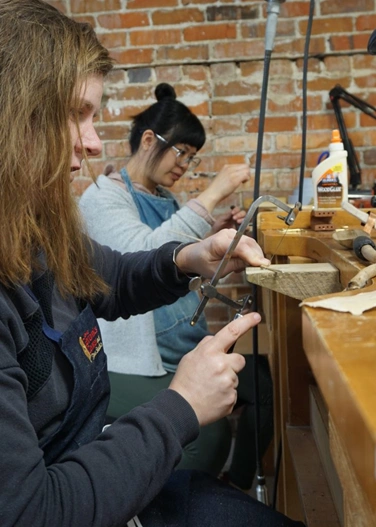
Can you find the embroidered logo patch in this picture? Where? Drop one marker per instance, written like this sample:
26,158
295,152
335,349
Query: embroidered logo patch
91,343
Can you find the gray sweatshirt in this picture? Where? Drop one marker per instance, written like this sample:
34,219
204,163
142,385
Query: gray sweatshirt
112,219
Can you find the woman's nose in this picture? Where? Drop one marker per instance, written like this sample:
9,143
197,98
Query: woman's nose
91,142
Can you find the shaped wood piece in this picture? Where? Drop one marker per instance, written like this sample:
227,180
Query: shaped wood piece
299,281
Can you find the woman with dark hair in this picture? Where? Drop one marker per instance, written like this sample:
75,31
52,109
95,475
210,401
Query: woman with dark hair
135,210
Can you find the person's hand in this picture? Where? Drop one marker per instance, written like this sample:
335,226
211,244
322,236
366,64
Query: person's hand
228,220
207,376
204,257
224,184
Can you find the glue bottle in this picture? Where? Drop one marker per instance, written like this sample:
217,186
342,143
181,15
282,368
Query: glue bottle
329,178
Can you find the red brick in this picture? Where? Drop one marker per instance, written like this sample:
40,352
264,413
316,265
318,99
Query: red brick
115,150
326,121
201,109
170,74
223,70
210,32
215,163
224,107
253,30
242,143
273,124
144,4
92,6
176,16
293,47
366,81
326,84
193,92
113,40
314,103
123,113
278,160
250,69
363,137
111,132
328,25
155,37
294,9
123,20
335,7
231,12
238,49
236,88
196,72
226,125
365,23
183,53
130,57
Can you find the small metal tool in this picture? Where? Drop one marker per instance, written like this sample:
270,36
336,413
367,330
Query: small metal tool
246,303
289,220
209,291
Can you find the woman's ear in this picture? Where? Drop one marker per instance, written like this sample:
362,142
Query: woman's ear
147,140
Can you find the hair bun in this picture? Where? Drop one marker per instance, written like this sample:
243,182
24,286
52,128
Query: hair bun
164,91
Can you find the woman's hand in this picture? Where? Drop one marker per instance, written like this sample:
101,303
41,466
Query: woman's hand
204,257
207,376
224,184
228,220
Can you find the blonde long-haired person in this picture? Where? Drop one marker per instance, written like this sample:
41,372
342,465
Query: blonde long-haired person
57,466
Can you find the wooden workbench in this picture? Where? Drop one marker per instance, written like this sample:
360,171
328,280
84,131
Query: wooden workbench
317,351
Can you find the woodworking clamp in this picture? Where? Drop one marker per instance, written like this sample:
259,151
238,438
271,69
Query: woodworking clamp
208,289
367,219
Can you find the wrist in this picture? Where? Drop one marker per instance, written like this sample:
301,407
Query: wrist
208,200
195,281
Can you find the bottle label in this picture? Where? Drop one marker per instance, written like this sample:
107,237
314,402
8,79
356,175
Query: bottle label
330,189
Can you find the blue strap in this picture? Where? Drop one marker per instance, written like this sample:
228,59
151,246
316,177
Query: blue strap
50,332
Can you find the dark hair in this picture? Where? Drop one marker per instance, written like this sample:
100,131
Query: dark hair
371,47
169,118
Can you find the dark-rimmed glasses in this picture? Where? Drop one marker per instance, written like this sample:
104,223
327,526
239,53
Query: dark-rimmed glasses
182,157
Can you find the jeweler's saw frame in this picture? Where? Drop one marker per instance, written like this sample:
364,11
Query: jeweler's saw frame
208,289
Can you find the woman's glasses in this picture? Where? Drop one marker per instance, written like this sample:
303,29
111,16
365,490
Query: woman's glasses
182,157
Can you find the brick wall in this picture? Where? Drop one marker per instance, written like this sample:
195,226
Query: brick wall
212,52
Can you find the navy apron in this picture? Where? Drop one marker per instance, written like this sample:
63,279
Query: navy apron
83,420
175,336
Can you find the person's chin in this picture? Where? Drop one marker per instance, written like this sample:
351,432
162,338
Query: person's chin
174,178
73,173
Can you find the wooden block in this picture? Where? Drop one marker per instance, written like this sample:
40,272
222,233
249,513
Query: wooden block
299,281
321,220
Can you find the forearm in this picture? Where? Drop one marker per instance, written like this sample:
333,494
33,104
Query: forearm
209,199
103,483
140,281
121,228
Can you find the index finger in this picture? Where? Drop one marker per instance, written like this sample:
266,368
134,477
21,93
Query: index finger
250,252
228,335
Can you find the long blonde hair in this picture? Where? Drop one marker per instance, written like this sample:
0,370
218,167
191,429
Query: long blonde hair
44,57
